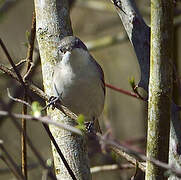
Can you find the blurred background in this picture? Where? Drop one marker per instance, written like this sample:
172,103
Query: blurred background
92,20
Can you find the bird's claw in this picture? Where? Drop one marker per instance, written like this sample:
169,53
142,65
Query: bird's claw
52,101
89,126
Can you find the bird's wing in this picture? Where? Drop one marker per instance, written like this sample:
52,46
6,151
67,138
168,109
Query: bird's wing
101,74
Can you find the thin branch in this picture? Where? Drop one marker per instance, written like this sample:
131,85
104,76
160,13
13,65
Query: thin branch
49,121
44,119
71,173
31,48
52,138
129,157
21,62
12,168
120,149
24,111
12,63
59,152
32,147
35,151
30,167
111,167
18,100
31,40
23,140
11,161
123,91
39,92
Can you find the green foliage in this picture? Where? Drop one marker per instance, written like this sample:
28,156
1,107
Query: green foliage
81,122
49,162
132,82
36,109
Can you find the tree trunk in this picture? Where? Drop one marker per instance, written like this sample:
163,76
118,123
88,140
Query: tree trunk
160,86
52,24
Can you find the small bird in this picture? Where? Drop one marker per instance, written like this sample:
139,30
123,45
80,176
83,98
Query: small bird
78,80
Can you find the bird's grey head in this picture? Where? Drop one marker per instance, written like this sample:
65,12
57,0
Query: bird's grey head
69,43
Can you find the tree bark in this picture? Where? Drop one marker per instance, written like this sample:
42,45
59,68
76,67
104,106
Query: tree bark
160,86
52,24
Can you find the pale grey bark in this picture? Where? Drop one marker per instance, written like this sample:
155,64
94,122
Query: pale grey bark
175,141
139,35
160,86
53,23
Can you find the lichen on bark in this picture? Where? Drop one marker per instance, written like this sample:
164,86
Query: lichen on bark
52,24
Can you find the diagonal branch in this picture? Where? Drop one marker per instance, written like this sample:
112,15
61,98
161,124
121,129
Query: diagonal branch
12,63
10,162
139,35
138,157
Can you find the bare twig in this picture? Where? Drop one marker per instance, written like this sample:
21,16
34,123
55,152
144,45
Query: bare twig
121,150
30,167
32,147
122,91
21,62
11,163
18,100
129,157
31,47
31,40
23,140
26,76
44,119
11,168
52,138
59,151
49,121
12,63
23,122
39,92
34,150
34,65
111,167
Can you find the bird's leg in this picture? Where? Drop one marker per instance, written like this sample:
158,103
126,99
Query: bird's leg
93,126
53,100
90,127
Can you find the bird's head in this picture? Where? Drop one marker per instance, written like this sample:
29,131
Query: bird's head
70,43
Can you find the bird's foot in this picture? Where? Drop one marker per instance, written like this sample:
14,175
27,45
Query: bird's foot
89,126
51,102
